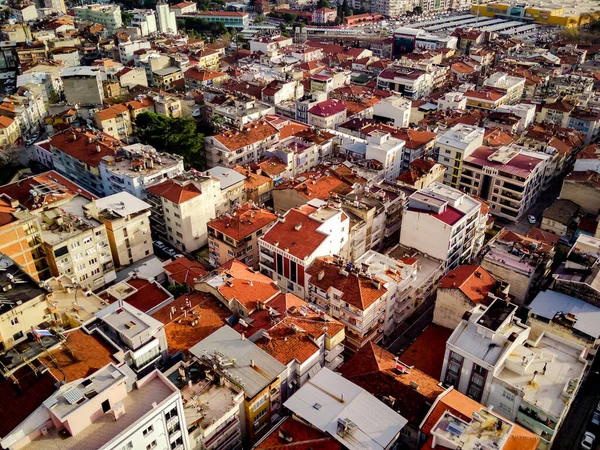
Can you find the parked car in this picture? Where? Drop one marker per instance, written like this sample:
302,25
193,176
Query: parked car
532,220
588,440
598,407
159,244
596,419
178,255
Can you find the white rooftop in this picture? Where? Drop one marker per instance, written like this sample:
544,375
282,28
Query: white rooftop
122,204
461,136
351,415
548,304
128,320
227,177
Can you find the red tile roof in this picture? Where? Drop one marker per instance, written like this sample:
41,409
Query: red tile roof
148,294
252,133
85,145
90,354
375,370
300,243
487,94
473,281
182,333
19,401
183,271
245,285
328,108
358,291
6,122
243,222
63,189
303,437
427,352
203,75
175,192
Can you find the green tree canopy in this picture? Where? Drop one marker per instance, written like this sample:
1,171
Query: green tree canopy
418,10
324,4
178,136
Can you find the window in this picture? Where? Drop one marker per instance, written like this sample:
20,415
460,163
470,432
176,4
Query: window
477,382
509,396
14,321
88,239
455,362
279,264
261,401
293,270
151,445
179,234
148,430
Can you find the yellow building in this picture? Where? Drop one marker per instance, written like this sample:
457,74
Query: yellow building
9,131
547,16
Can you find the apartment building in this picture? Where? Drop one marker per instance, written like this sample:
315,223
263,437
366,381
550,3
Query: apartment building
522,262
300,236
232,185
127,225
490,358
327,114
76,245
261,376
421,173
167,23
231,19
388,150
247,145
218,425
509,85
587,121
9,131
352,297
128,48
454,146
108,409
445,224
486,99
461,290
82,85
145,21
182,206
411,83
183,8
349,422
28,110
104,14
236,235
510,178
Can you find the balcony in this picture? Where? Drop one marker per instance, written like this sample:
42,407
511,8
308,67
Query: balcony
535,423
330,355
334,363
267,256
172,422
266,264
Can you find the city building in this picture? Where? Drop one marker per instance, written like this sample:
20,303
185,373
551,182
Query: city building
303,234
445,224
166,18
408,391
213,408
231,19
510,178
236,235
327,114
104,14
112,410
357,300
25,13
533,385
453,146
127,226
236,147
145,21
411,83
27,109
388,150
261,376
82,85
183,8
128,48
461,290
523,263
232,185
421,173
10,131
395,108
183,206
346,413
511,86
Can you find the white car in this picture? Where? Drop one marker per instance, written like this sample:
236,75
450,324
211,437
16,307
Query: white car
159,244
532,220
587,442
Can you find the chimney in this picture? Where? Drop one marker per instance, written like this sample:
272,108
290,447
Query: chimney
321,275
252,363
98,149
298,226
243,336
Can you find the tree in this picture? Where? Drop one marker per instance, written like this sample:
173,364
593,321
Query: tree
324,4
418,10
290,17
126,18
172,135
259,19
10,155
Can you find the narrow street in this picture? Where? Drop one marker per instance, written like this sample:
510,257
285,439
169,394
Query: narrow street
578,419
412,328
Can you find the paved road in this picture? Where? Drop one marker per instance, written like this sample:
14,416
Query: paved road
547,198
412,328
577,421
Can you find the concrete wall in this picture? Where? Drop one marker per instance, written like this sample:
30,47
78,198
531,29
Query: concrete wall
519,283
586,196
450,306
